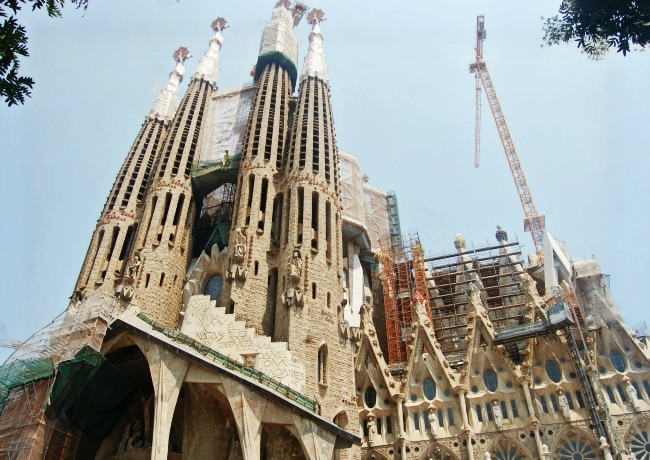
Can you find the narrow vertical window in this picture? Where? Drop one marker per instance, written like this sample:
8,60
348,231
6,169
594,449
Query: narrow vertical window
249,204
168,200
276,221
488,412
287,217
479,413
542,401
389,425
314,220
179,210
322,365
581,401
301,206
450,417
513,406
262,212
162,279
416,421
554,403
328,230
128,240
504,409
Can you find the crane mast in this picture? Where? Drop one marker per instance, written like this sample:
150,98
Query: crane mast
533,221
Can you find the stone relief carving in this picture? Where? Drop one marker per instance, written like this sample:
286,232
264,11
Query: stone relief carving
237,269
124,288
132,437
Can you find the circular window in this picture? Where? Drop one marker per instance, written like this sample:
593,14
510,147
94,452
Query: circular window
577,450
490,379
618,361
414,397
640,445
507,455
370,397
213,287
553,370
429,388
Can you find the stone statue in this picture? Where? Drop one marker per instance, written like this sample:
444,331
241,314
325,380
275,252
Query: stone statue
295,266
372,429
433,423
488,456
498,415
240,246
564,404
134,267
293,294
632,395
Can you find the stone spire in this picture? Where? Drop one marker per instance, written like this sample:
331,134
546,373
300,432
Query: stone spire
165,106
208,69
315,65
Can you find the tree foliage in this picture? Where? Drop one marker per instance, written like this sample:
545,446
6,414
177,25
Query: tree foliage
598,25
14,88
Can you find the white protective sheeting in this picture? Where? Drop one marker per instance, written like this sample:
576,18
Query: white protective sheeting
595,298
376,214
278,35
362,202
351,179
226,124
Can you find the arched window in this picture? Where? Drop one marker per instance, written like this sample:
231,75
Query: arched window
322,365
370,397
553,370
429,388
490,379
618,360
213,287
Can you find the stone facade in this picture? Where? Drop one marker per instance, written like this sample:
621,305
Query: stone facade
271,334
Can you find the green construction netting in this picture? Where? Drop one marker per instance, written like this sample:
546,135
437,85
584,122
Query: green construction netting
22,371
72,377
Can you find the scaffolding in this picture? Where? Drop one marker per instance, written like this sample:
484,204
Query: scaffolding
27,377
387,260
496,270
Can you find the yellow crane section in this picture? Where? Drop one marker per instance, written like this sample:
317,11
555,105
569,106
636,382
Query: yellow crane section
533,221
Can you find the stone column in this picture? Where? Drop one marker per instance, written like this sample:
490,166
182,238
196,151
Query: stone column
533,418
466,426
248,408
167,373
399,401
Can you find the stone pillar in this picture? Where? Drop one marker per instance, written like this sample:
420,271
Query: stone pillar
463,407
248,408
531,413
167,373
318,443
399,400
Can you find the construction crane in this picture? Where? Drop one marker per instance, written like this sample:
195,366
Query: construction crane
533,221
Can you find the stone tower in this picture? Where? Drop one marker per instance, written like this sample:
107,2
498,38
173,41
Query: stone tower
106,264
163,241
310,259
254,242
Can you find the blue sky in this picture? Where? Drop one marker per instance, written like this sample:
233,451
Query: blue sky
403,103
